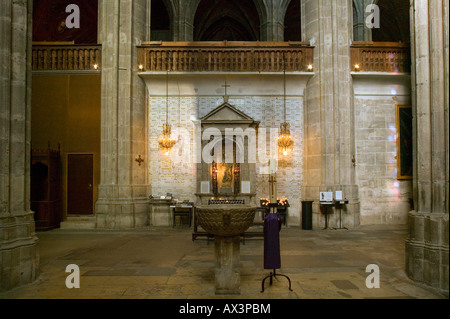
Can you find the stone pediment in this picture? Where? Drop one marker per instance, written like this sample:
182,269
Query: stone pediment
227,113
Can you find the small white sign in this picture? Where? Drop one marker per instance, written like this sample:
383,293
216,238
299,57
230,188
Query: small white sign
204,187
326,196
338,196
245,187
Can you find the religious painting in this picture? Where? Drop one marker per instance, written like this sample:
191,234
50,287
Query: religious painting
225,178
404,142
225,175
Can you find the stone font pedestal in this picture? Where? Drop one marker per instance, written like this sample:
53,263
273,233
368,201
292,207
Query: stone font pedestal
227,271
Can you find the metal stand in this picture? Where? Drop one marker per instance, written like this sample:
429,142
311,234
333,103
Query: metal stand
340,215
274,274
273,205
324,206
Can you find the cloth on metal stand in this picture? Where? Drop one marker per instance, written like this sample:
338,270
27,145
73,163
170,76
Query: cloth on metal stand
272,226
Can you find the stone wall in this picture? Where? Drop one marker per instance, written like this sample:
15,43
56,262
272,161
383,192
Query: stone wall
384,198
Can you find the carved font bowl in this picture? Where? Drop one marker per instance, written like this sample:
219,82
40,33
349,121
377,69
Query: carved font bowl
225,220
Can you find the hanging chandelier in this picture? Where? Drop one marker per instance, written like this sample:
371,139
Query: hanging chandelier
285,139
166,142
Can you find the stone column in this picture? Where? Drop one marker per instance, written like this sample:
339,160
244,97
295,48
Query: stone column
227,270
360,31
427,244
182,19
19,258
329,115
123,190
272,14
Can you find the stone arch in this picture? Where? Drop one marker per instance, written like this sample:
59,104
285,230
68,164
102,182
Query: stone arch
272,14
292,21
161,24
217,20
394,21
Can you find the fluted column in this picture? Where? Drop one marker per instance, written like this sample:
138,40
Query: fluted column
427,244
329,115
360,31
272,13
19,258
123,189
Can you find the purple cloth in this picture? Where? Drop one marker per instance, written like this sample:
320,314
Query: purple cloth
272,226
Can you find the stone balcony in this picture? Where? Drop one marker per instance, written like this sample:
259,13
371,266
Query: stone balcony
224,56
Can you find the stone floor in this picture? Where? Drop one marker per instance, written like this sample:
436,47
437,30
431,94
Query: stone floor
164,263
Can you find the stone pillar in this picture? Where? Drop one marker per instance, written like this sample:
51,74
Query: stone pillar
19,258
182,19
123,190
227,271
272,14
329,115
360,31
427,244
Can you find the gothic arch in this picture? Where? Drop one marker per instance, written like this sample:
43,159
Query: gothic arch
161,20
394,20
292,21
217,20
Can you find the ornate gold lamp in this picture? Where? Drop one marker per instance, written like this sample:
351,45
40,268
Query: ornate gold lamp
285,139
166,142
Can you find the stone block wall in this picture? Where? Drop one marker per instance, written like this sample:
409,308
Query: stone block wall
384,199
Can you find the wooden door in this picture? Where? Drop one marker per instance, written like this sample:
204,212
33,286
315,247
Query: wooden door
80,179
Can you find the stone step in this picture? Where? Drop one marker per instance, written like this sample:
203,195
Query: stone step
79,222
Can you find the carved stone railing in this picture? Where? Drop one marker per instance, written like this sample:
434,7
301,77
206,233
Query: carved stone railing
380,57
224,56
66,57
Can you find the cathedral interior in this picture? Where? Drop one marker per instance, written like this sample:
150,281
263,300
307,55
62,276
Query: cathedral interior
120,119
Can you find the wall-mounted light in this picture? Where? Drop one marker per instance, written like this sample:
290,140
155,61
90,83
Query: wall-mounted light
95,66
141,67
310,67
356,67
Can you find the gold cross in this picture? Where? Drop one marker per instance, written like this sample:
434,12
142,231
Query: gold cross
139,160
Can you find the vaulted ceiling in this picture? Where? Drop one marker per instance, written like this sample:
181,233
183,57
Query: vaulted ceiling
217,20
394,21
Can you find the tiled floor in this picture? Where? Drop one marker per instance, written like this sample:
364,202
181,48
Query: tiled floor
165,263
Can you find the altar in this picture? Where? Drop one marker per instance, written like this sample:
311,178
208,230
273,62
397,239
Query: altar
227,168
